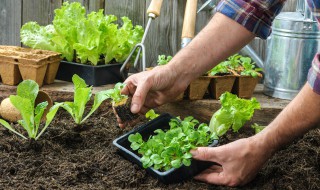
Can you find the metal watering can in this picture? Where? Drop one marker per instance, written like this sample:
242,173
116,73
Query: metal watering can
294,41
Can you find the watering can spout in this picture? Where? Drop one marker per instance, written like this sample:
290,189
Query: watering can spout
248,51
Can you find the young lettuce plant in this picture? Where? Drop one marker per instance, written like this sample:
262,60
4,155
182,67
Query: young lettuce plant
120,102
234,112
24,102
151,114
163,59
82,95
249,68
171,148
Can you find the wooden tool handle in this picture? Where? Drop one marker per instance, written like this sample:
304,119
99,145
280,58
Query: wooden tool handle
155,7
189,21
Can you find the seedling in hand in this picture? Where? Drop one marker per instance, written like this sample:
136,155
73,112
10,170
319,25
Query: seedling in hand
121,103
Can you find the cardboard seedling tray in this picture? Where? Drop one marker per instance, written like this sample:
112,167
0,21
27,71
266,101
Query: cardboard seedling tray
171,176
38,65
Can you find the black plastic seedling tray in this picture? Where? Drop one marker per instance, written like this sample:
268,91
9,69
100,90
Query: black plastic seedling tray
171,176
93,75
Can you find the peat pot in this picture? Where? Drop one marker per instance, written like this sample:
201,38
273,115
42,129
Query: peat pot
171,176
220,84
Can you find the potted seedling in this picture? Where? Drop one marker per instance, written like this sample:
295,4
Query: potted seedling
31,114
163,145
247,78
121,103
92,45
223,76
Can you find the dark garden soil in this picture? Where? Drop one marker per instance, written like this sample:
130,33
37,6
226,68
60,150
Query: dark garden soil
69,158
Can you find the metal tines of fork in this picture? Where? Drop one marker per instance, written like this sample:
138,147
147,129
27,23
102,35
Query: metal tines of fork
153,12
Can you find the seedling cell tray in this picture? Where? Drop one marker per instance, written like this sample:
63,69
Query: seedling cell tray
93,75
171,176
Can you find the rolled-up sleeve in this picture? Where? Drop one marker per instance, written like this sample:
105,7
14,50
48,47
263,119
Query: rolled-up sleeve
255,15
314,74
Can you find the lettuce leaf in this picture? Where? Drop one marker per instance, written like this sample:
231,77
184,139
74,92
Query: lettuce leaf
234,112
89,37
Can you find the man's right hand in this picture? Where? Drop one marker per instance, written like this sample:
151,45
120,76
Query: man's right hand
153,88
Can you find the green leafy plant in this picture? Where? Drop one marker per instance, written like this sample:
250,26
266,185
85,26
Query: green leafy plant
171,148
83,38
24,101
163,59
234,112
257,128
82,95
151,114
249,68
115,93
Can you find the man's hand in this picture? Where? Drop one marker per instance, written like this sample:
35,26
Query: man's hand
238,162
153,88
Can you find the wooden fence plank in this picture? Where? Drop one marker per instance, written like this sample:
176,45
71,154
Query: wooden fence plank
37,11
95,5
164,36
54,4
134,9
10,22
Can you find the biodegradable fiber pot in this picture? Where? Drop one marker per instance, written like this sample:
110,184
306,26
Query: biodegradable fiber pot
93,75
9,73
17,62
198,88
244,86
220,84
171,176
10,113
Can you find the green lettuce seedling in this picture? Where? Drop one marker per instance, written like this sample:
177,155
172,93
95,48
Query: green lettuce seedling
151,114
163,59
120,102
249,68
257,128
234,112
171,148
24,101
82,95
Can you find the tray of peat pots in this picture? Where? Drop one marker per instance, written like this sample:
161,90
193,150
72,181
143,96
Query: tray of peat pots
152,146
17,64
222,77
247,77
93,46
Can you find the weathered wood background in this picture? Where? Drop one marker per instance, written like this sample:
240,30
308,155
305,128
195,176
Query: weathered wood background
164,36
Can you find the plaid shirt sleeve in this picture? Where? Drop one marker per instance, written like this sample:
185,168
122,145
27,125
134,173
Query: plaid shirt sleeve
254,15
257,17
314,72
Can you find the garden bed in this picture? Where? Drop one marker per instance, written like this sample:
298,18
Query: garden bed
65,158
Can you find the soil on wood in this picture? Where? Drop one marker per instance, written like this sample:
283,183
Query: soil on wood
66,157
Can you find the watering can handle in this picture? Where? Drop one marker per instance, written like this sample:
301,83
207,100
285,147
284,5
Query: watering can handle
189,21
154,8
